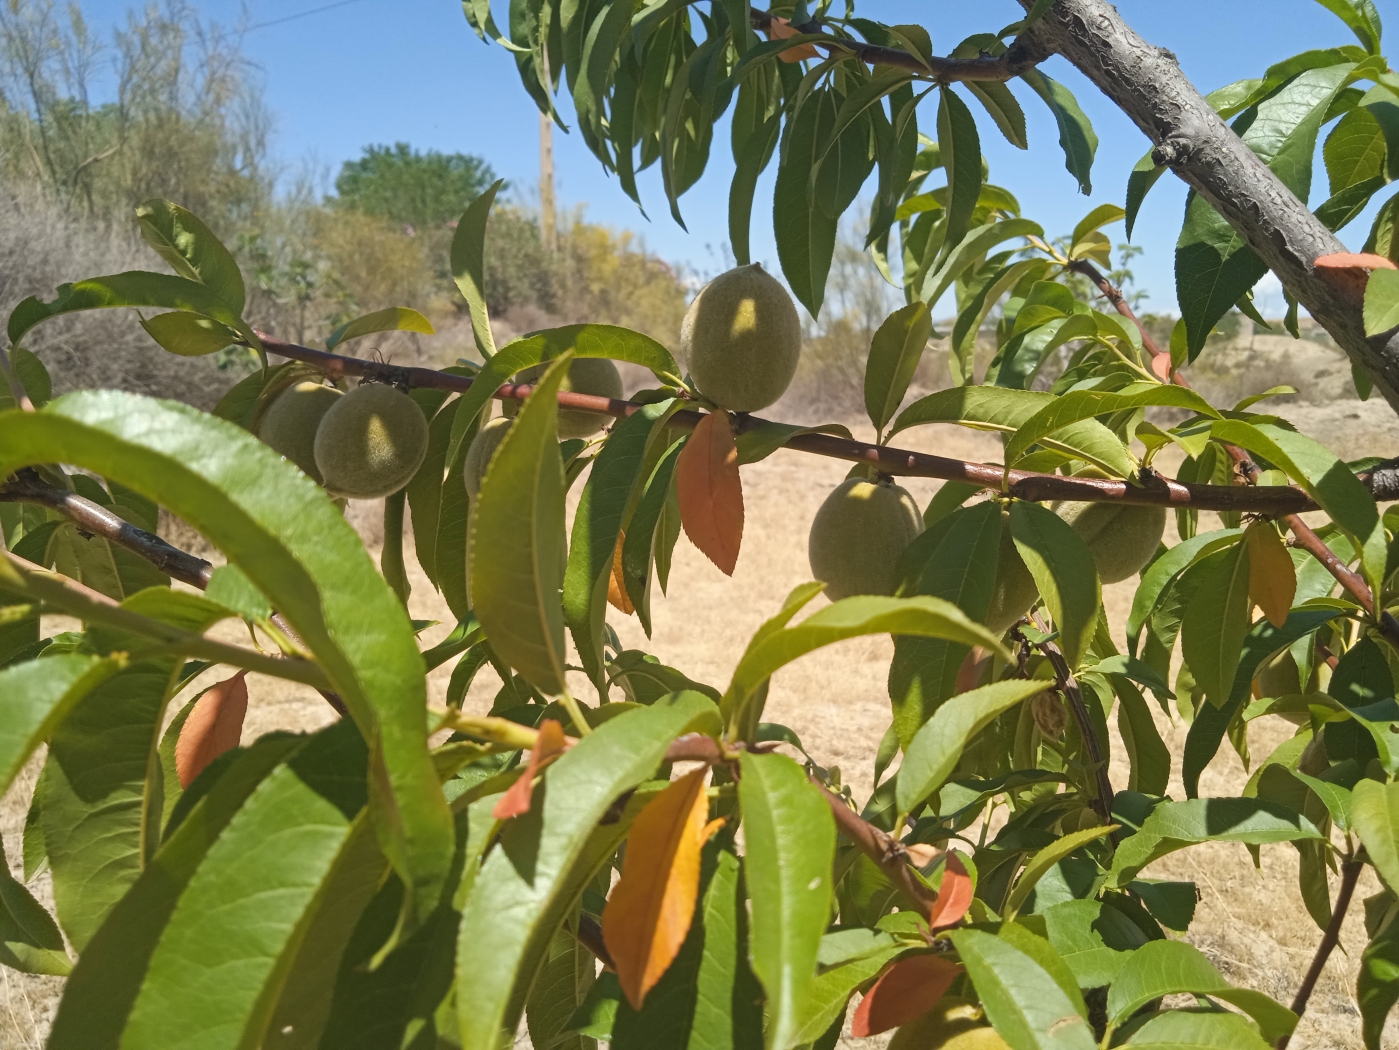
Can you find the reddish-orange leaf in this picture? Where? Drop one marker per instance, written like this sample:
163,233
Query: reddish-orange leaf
649,912
954,895
1161,365
1354,260
616,586
213,726
781,29
1272,578
974,666
908,990
548,745
711,494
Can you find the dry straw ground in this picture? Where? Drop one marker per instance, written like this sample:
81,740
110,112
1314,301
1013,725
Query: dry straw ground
1250,922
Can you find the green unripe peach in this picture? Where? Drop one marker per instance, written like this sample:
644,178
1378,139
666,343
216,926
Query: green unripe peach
1014,592
1121,537
741,339
586,375
479,453
857,536
289,424
371,442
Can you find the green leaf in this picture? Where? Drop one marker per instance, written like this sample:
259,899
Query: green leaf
38,696
1213,266
961,568
297,549
1362,18
933,754
1064,573
133,288
1144,176
1005,410
1150,758
268,872
1191,1030
1003,108
972,248
1038,948
1173,968
1175,825
830,992
790,839
1357,149
1102,215
642,546
98,996
761,441
519,519
560,988
1068,409
1024,1004
29,938
961,156
192,250
1093,939
188,335
1038,865
805,232
728,1011
602,508
751,156
1377,987
849,618
391,319
894,356
1216,621
530,875
469,265
1159,575
1381,301
1374,811
1076,135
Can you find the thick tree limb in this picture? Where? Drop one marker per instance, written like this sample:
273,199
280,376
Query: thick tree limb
1153,490
1147,84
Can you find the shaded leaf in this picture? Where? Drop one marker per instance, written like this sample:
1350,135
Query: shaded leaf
390,319
1076,136
954,894
191,249
213,726
1064,573
894,355
1023,1002
548,745
908,989
1377,987
1272,578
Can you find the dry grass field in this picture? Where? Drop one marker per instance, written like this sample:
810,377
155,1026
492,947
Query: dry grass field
1250,922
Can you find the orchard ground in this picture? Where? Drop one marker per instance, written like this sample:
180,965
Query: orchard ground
1251,923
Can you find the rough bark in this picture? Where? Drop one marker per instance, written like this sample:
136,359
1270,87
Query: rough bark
1147,84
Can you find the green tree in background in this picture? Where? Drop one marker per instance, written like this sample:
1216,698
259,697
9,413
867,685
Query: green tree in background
421,189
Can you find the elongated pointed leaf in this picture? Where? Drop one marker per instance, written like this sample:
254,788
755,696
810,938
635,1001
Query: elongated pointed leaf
212,727
191,249
1039,865
1028,1009
1070,408
974,246
1064,573
1375,814
894,356
851,618
1178,1029
1172,967
469,264
790,837
805,232
1076,136
1175,825
532,866
908,989
188,335
1272,578
214,977
30,941
38,696
548,745
932,755
390,319
711,492
1217,620
1377,988
648,915
297,549
517,539
961,157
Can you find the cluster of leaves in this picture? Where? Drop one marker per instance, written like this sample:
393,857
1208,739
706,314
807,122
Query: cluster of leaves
374,885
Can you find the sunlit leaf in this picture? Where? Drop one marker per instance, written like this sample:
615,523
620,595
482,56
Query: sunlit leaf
908,989
711,492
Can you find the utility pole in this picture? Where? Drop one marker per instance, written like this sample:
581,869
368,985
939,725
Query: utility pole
547,233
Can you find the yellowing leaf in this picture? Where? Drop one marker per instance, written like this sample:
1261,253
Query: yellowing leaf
649,913
781,29
617,595
1272,578
710,491
908,990
214,726
548,745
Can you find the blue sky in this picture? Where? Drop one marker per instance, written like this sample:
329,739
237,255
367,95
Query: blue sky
380,71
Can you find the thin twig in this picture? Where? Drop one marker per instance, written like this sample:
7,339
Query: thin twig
1150,489
17,390
1350,874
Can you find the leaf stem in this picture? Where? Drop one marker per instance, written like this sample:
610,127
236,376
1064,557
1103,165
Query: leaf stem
576,713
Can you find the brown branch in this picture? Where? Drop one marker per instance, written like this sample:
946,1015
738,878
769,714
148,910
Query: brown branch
1114,295
1151,489
1023,54
1068,685
884,849
1350,873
